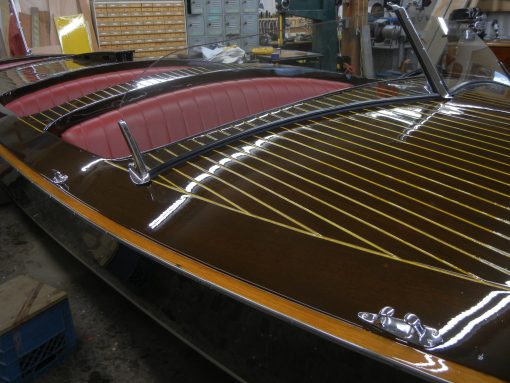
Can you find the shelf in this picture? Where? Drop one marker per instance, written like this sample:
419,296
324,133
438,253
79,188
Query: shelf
140,26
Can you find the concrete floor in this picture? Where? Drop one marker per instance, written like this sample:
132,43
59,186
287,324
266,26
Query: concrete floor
116,341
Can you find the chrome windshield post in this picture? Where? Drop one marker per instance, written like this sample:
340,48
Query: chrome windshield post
429,68
137,170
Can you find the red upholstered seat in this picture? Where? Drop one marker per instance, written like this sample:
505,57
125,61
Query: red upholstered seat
63,92
170,117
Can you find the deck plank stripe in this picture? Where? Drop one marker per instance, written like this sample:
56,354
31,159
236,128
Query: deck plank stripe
450,175
357,118
204,186
256,199
370,115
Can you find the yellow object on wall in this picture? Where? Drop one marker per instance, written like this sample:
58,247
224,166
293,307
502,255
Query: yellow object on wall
73,34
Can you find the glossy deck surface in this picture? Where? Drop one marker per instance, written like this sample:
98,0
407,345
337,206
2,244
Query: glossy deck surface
402,204
31,72
407,181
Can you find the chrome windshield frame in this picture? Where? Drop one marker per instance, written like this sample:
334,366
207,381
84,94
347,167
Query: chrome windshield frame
429,68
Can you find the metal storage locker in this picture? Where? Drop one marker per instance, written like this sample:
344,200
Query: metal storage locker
195,25
214,39
249,24
231,6
196,40
197,7
214,6
249,6
235,41
232,25
228,21
214,25
249,42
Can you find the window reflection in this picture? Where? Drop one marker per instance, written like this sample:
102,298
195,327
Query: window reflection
432,364
482,313
191,186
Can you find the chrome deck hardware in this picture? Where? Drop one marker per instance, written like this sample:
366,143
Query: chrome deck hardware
58,178
137,169
409,328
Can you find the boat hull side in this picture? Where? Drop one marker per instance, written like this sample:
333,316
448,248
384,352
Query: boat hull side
248,343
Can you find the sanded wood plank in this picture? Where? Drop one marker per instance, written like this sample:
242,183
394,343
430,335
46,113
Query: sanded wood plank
34,19
47,50
3,47
351,44
4,19
27,5
85,9
44,28
432,37
60,8
495,5
3,50
26,24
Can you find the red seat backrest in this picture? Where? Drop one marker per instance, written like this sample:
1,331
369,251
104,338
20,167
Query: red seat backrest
173,116
51,96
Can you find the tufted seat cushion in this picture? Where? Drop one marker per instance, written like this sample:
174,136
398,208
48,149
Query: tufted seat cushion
51,96
173,116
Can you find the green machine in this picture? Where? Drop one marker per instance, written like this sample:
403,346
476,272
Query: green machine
324,33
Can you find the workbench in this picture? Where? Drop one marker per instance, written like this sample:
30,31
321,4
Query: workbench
293,57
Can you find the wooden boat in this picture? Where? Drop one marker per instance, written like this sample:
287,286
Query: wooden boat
290,224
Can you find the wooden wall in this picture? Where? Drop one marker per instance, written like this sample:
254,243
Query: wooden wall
42,12
4,20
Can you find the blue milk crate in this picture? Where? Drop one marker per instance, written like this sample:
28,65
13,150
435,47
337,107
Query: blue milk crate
36,329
